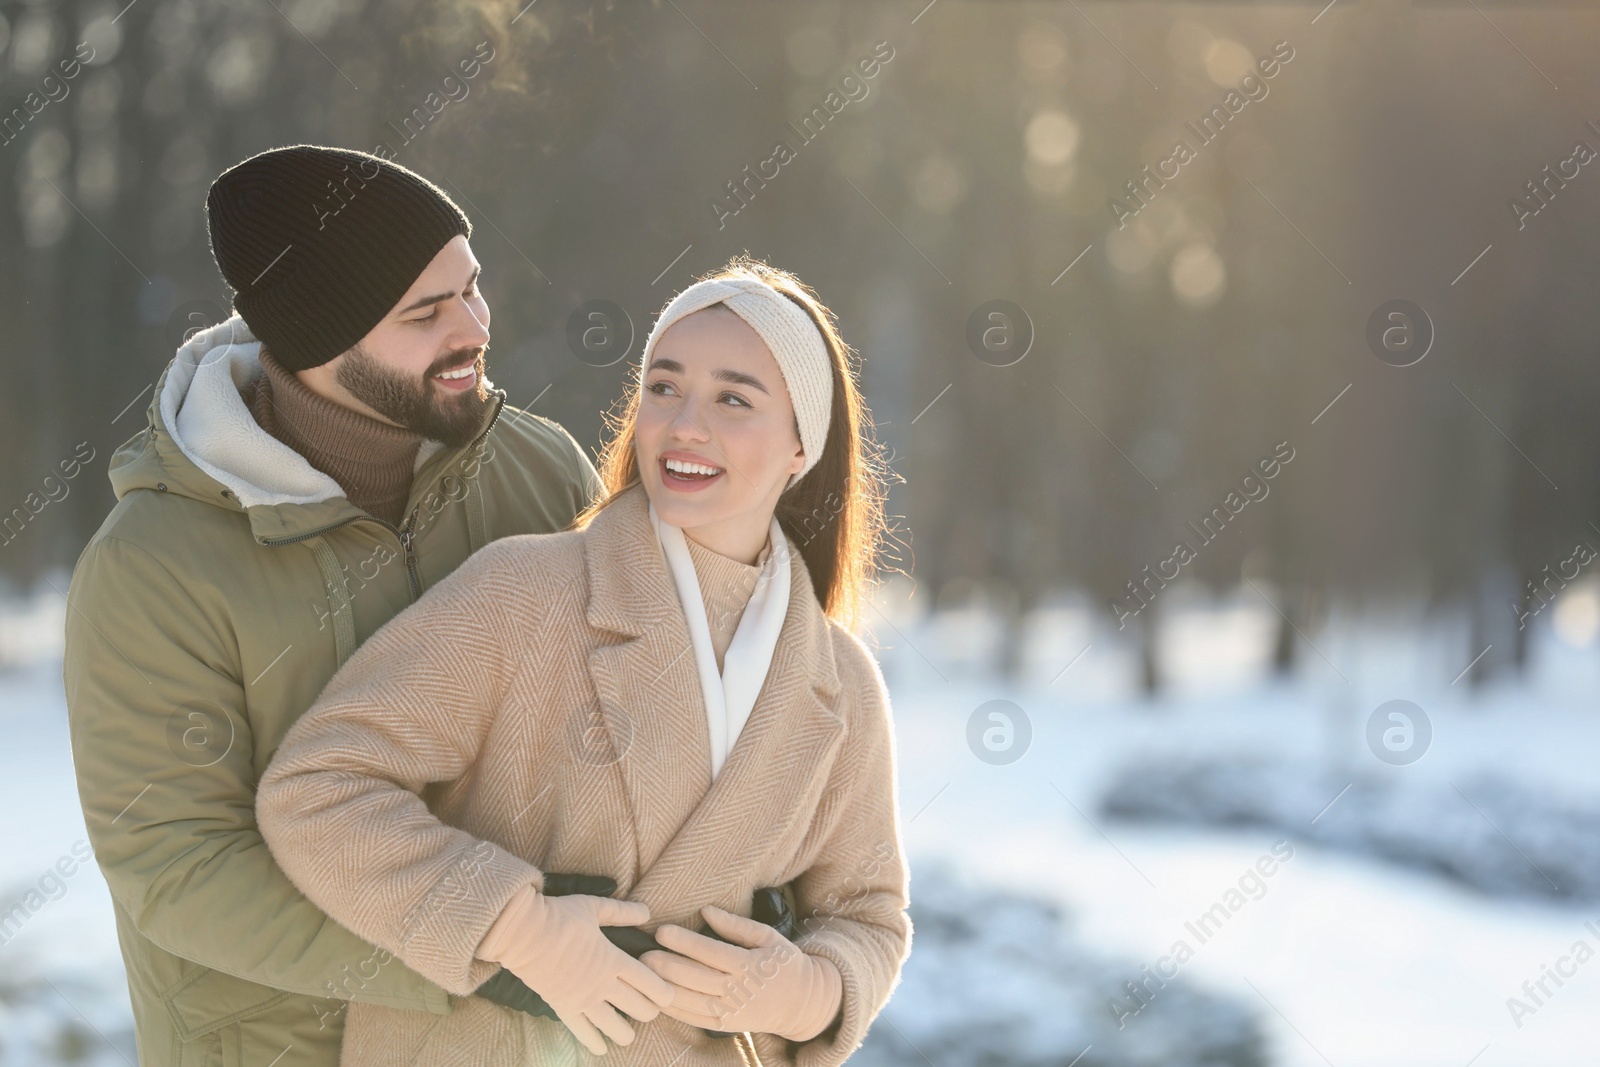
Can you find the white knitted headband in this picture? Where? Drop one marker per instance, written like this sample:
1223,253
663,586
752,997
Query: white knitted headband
789,333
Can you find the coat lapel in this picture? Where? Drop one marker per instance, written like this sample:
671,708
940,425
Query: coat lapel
687,828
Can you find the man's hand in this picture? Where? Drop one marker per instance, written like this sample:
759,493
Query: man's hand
761,982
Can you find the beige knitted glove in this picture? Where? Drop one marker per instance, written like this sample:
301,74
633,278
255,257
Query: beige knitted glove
762,983
555,946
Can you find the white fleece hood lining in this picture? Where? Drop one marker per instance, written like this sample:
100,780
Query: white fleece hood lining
203,410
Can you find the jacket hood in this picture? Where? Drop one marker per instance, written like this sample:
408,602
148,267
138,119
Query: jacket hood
203,442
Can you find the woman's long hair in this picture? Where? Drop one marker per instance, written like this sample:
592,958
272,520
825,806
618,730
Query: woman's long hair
835,513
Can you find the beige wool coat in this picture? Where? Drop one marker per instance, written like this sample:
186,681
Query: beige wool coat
539,709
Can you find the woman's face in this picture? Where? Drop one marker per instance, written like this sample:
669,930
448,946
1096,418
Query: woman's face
715,436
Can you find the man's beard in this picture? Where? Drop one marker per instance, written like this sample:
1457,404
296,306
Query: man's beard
416,403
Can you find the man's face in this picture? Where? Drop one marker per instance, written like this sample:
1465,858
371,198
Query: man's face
424,366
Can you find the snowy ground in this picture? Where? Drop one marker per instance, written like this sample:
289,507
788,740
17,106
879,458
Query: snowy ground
1352,962
1343,960
993,978
63,994
1488,831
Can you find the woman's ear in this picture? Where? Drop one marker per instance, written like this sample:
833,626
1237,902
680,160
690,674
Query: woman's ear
798,462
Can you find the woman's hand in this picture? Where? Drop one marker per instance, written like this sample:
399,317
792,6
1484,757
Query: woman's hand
555,946
762,983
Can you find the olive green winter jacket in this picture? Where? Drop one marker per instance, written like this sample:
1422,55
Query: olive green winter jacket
205,616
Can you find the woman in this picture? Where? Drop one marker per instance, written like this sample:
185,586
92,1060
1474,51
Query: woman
667,695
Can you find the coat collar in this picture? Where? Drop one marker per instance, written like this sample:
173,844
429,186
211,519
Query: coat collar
655,718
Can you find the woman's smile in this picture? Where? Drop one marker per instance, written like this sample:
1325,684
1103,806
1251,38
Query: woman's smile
685,472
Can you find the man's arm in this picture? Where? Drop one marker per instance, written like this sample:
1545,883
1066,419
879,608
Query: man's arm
163,753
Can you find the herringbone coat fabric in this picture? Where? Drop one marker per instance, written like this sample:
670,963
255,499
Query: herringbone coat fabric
539,709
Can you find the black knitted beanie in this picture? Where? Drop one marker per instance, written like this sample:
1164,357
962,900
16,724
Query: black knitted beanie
320,243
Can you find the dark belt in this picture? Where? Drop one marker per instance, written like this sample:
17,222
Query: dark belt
768,905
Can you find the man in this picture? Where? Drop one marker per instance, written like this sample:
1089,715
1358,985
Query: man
311,466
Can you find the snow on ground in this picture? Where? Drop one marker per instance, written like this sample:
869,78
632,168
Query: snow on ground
63,991
1498,836
992,978
1350,961
1342,959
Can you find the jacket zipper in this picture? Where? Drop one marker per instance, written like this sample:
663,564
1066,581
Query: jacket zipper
407,535
408,545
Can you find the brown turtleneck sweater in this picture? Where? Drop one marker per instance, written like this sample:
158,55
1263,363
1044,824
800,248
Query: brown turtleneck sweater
726,586
372,461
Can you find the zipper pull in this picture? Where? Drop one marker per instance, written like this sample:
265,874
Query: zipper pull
407,537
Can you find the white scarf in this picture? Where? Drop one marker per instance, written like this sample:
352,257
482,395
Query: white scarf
730,695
